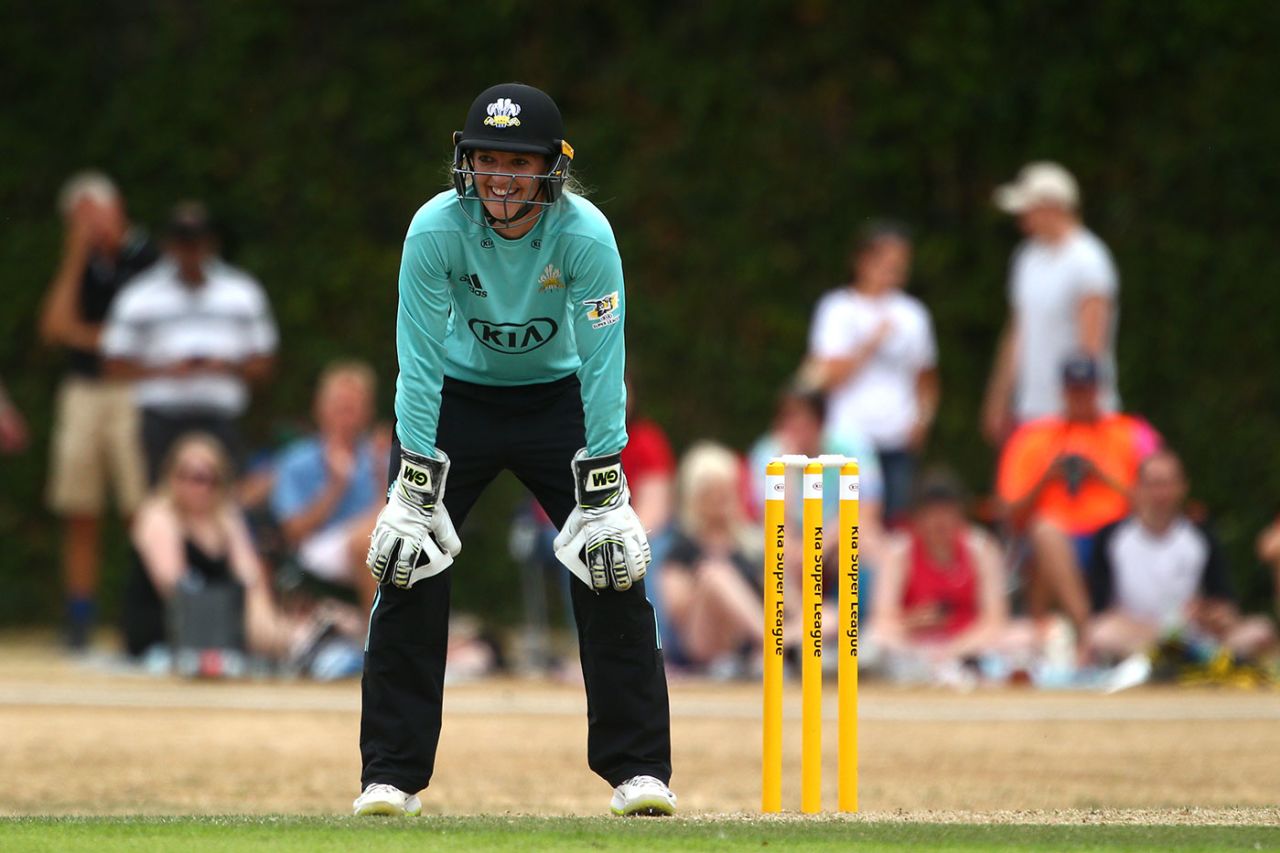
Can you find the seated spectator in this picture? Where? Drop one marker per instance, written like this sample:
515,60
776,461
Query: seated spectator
798,428
649,464
650,467
941,589
1157,573
710,582
1269,554
192,333
329,487
1061,479
190,528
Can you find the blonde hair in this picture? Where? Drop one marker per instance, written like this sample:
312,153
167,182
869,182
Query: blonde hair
225,487
707,461
349,369
89,184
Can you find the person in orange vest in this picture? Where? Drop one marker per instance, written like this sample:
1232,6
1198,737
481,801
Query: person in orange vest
1062,479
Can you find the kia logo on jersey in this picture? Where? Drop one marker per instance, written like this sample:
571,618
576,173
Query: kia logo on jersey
514,338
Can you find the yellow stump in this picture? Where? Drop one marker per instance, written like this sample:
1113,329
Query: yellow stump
847,757
774,551
811,651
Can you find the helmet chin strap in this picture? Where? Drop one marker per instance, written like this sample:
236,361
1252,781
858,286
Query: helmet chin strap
512,221
499,223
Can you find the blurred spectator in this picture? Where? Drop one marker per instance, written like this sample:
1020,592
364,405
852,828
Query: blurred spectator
530,542
710,582
872,349
1062,479
329,487
13,427
1269,553
193,333
941,590
95,441
1158,573
190,528
650,467
798,428
1062,296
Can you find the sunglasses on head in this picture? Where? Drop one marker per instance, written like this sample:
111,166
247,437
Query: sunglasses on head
198,476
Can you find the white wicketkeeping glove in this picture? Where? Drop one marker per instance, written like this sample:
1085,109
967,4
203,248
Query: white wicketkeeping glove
414,537
603,543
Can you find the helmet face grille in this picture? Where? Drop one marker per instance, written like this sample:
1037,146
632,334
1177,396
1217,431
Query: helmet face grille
551,187
515,118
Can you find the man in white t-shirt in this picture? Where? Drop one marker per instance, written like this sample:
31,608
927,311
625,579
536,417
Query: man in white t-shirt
1157,572
192,333
872,350
1062,297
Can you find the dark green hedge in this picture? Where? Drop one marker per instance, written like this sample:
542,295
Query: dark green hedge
735,148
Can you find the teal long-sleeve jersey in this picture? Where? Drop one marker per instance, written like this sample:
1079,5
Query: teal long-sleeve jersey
480,308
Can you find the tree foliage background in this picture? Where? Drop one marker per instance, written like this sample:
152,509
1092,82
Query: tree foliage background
735,148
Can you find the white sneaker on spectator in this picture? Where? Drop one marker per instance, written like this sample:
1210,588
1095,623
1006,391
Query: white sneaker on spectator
379,799
1133,671
643,795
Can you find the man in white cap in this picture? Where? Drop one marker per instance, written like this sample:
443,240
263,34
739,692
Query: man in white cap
1062,297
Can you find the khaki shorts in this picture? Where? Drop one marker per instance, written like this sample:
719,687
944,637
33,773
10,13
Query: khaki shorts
96,441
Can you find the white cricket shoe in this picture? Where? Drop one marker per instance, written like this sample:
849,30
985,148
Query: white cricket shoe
379,799
643,795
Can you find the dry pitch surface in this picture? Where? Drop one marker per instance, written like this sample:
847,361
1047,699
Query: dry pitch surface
81,741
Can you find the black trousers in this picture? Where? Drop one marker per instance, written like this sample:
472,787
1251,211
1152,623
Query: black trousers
533,431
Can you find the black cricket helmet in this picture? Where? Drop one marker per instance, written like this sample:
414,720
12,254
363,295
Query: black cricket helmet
517,118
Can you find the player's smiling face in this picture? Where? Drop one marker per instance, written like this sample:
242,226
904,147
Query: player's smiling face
505,194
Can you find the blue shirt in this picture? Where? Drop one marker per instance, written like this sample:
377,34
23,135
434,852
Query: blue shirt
301,475
478,307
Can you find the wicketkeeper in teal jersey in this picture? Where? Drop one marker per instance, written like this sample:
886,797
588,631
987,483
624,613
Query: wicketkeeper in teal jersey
510,342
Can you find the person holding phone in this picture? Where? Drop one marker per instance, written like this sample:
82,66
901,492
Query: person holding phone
1063,478
192,333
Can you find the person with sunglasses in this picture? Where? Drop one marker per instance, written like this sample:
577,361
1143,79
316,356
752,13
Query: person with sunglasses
509,336
190,530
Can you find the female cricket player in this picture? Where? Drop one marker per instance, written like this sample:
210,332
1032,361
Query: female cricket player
510,345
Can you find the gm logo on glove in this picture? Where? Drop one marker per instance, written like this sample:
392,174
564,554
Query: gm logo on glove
418,477
608,477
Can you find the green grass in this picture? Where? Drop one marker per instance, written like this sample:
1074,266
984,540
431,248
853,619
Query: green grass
104,835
